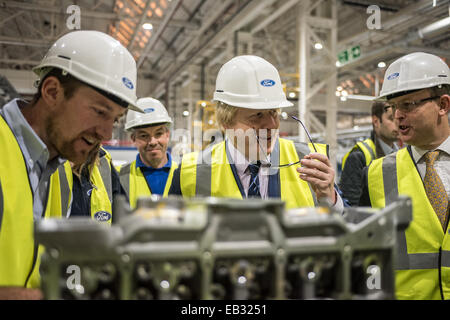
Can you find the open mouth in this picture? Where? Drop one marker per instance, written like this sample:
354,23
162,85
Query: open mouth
89,141
403,129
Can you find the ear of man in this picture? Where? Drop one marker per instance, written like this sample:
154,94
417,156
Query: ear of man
375,122
52,91
444,104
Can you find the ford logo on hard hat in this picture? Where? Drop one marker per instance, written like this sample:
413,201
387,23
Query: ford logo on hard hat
267,83
149,110
127,82
102,216
393,76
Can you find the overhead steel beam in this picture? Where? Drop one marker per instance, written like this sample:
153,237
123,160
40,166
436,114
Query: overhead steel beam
19,61
189,44
245,15
15,15
139,24
280,11
394,20
444,53
96,14
25,41
401,45
174,5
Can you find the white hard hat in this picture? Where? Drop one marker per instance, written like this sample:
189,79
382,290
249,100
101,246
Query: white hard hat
96,59
250,82
414,71
152,112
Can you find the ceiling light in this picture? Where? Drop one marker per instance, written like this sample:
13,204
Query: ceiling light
186,113
147,26
284,115
381,64
339,88
343,98
318,46
292,95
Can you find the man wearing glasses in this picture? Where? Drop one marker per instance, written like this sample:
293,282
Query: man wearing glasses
417,86
253,162
151,172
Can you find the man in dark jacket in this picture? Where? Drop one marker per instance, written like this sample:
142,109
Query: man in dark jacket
95,183
381,143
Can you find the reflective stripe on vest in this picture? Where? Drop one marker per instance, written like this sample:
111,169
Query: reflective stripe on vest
135,185
209,173
367,147
66,186
19,255
101,196
417,258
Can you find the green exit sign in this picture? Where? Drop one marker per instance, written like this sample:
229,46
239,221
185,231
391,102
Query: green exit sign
350,54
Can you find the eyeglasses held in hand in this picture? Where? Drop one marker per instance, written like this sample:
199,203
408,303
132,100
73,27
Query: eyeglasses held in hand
293,163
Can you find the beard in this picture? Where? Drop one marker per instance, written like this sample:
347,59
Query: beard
65,148
153,161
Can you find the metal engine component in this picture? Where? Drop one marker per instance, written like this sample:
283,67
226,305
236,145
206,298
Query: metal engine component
212,248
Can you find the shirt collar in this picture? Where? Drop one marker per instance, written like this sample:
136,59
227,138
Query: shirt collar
419,153
238,159
140,164
32,146
387,148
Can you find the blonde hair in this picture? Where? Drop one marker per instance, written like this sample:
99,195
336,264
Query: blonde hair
225,115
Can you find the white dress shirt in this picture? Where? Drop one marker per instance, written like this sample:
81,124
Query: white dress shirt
442,163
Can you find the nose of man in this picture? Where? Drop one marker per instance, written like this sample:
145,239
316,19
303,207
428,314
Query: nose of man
104,130
398,115
152,141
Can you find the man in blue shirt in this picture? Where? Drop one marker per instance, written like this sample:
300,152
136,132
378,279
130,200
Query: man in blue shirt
152,171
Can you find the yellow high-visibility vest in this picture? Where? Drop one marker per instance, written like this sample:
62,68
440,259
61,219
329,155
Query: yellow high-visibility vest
101,195
209,173
19,253
367,147
423,251
135,185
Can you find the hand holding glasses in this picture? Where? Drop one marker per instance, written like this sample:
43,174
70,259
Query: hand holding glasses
292,163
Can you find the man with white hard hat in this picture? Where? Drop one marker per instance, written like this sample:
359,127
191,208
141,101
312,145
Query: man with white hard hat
152,171
87,80
253,161
417,86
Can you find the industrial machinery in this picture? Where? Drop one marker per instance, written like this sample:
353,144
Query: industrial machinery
213,248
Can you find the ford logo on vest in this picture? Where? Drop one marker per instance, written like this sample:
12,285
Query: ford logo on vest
102,216
267,83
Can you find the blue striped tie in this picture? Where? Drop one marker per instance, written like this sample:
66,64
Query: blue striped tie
253,188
